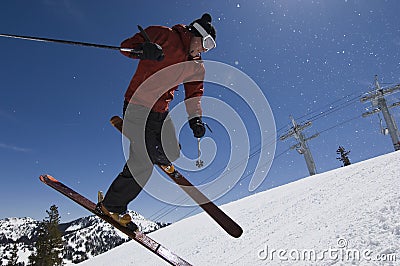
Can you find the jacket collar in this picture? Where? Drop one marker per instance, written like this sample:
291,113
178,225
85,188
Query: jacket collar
185,36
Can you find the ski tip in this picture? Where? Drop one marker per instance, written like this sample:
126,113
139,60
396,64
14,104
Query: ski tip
46,178
237,233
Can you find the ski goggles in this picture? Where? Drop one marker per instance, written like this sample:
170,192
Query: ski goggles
208,40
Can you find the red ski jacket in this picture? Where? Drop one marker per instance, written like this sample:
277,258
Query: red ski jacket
157,91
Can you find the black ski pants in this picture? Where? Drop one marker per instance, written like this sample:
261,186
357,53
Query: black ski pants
152,141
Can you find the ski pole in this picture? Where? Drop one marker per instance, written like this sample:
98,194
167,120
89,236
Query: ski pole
199,162
40,39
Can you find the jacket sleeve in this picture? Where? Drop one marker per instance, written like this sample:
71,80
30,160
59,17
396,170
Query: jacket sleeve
156,34
194,91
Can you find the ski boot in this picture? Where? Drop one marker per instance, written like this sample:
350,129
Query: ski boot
123,219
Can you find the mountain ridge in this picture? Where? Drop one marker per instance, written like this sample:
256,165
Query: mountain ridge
84,237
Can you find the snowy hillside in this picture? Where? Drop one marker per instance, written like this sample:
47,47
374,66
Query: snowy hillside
345,216
19,231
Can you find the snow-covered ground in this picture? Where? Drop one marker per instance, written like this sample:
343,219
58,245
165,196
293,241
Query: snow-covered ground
346,216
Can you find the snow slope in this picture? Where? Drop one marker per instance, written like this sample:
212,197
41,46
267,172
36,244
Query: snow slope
346,216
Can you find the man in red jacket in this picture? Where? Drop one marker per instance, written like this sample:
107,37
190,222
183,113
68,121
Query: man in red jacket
168,57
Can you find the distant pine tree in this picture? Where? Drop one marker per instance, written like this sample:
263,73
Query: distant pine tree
343,156
49,245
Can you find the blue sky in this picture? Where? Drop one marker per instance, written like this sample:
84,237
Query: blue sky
308,57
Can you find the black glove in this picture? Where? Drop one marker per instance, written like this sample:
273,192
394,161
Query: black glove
152,51
197,127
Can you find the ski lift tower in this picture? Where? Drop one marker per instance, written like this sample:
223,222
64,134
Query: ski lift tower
378,100
301,146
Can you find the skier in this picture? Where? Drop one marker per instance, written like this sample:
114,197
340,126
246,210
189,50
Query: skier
146,120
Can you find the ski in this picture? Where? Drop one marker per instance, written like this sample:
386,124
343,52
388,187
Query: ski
230,226
138,236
